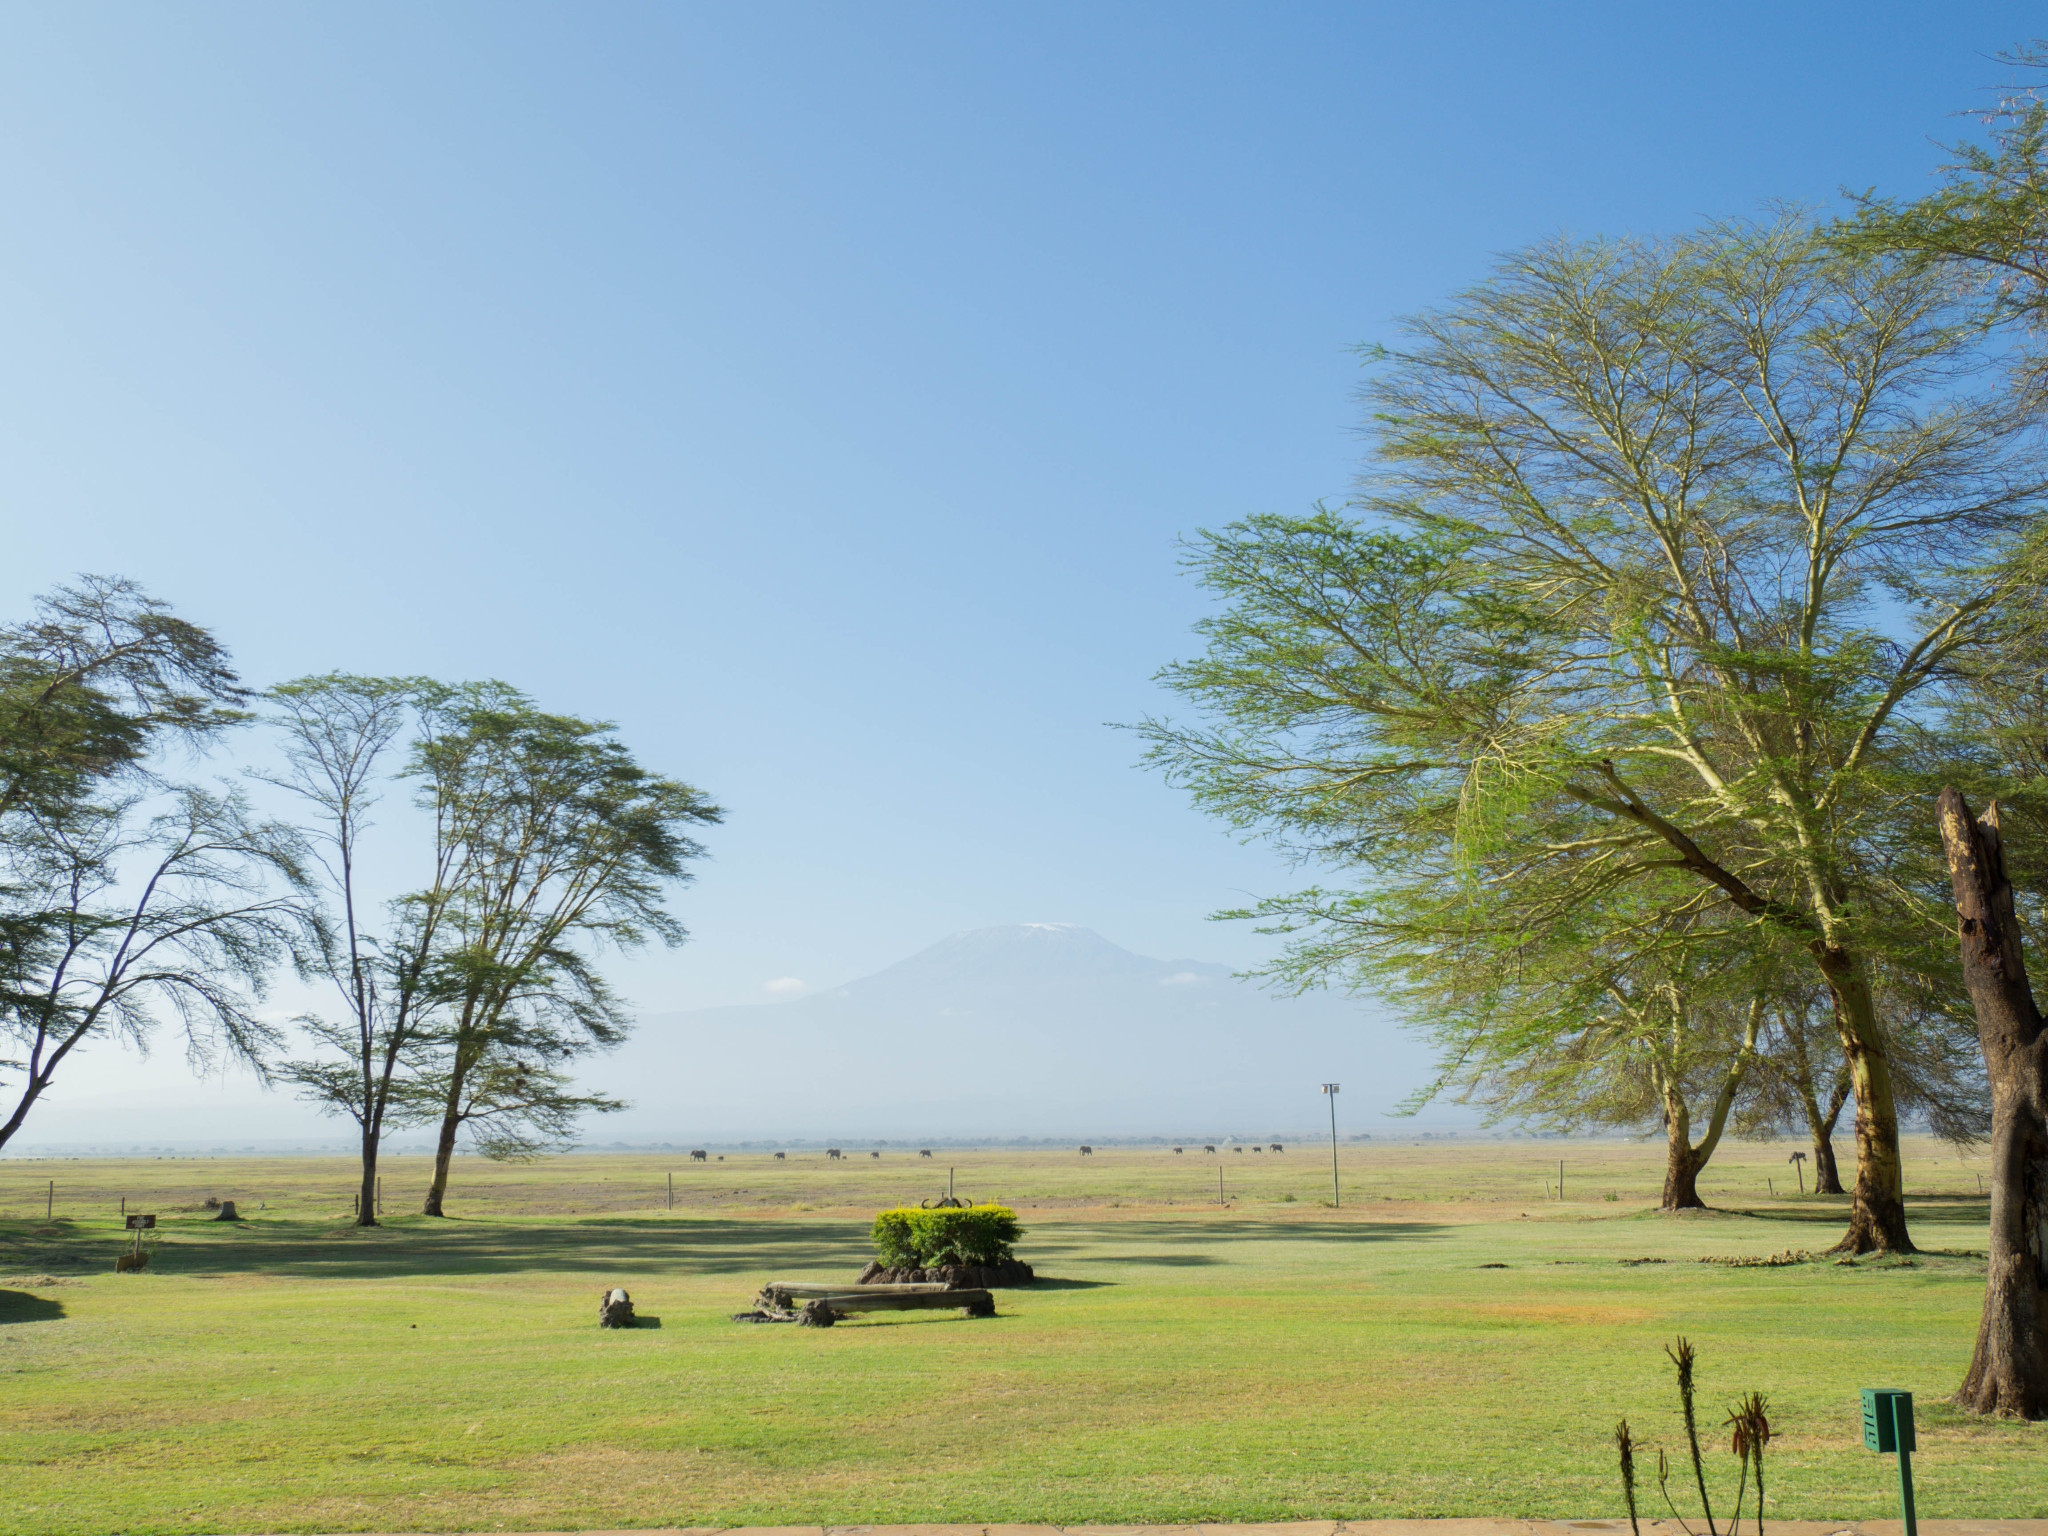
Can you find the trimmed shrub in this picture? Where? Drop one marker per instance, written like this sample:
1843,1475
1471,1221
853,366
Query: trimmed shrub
908,1238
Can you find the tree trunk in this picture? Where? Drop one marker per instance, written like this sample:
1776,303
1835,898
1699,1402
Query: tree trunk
366,1202
1827,1178
1877,1213
444,1152
2008,1372
1684,1158
1681,1177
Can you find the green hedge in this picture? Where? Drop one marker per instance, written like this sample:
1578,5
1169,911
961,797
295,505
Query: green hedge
979,1234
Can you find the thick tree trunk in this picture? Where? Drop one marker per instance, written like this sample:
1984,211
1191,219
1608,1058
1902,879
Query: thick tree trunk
1877,1213
1681,1177
2008,1372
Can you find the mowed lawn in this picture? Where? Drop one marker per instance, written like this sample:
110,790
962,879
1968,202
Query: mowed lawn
1272,1359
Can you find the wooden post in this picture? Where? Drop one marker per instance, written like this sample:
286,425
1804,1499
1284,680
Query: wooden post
1219,1183
124,1206
380,1194
1770,1186
671,1191
1560,1178
50,1201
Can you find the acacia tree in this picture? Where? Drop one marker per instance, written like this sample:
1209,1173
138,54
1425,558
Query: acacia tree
115,919
1634,1018
1663,545
122,895
576,846
339,733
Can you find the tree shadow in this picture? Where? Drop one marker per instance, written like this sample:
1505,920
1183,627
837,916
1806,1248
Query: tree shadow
1048,1283
1963,1208
24,1307
1176,1260
606,1248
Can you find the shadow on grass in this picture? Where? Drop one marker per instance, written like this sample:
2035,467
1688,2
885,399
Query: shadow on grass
1177,1260
604,1247
1975,1210
21,1307
422,1246
1048,1283
1198,1243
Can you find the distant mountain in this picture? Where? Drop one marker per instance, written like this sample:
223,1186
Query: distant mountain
1035,1029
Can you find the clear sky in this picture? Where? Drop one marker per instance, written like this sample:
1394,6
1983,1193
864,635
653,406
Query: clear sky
819,390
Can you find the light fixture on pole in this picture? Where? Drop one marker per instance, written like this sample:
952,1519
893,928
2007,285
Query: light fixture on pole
1330,1090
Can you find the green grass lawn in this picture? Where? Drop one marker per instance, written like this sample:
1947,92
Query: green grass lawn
1274,1359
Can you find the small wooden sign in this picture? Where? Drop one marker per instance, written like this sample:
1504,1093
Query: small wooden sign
138,1222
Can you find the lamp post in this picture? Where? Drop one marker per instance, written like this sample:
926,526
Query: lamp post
1330,1092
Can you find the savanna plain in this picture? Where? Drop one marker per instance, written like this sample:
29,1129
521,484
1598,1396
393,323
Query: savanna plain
1453,1339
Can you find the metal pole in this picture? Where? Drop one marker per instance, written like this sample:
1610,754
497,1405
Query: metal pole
949,1183
1219,1183
1560,1178
1330,1092
1906,1489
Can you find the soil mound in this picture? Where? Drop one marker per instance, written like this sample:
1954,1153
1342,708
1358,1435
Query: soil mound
955,1277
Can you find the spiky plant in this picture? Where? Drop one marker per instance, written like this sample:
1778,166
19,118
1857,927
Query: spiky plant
1750,1431
1681,1356
1626,1445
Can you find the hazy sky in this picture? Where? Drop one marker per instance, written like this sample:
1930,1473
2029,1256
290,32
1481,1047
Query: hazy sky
819,390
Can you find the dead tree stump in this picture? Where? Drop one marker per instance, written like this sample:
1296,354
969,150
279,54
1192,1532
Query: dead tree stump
615,1309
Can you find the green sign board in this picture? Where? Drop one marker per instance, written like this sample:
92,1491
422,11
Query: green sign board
1888,1427
1888,1420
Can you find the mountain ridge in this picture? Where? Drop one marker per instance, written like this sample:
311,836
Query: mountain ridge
1027,1029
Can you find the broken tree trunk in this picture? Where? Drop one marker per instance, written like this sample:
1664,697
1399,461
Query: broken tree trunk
615,1309
2008,1372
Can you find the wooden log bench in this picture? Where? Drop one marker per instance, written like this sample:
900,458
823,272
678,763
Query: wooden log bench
820,1306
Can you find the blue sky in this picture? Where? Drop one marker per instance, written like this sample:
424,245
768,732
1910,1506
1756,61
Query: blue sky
819,390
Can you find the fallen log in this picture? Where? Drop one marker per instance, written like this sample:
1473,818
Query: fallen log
848,1304
841,1288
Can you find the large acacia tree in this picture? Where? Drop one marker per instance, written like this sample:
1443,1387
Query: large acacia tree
1662,548
575,847
342,739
